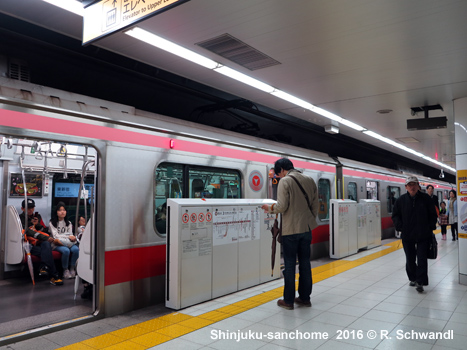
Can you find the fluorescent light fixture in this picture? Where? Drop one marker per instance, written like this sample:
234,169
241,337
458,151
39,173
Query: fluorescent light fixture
290,98
352,125
326,114
152,39
69,5
171,47
244,78
404,148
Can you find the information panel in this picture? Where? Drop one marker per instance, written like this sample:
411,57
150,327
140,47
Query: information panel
108,16
216,247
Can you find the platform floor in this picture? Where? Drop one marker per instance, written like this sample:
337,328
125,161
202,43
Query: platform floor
360,302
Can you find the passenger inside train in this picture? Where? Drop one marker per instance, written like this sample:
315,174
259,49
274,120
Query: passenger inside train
40,242
50,172
64,241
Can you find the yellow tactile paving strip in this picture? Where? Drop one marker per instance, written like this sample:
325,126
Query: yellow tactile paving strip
162,329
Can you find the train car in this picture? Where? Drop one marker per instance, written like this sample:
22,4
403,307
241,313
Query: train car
363,181
117,166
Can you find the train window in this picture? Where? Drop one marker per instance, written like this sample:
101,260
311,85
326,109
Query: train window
168,184
186,181
372,190
393,194
352,191
213,183
324,195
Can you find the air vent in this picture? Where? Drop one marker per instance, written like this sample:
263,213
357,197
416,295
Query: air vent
237,51
19,70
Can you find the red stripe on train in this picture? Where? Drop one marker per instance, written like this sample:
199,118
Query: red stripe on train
137,263
386,222
320,234
59,126
361,173
134,264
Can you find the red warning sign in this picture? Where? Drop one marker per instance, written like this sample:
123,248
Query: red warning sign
201,217
185,218
208,217
193,217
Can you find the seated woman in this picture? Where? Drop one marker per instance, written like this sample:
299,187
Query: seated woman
61,230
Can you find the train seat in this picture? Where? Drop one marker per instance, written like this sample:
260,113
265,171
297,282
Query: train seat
35,259
14,238
15,253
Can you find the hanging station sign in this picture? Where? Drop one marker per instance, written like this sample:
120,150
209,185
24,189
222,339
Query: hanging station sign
105,17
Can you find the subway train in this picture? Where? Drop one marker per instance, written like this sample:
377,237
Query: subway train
117,166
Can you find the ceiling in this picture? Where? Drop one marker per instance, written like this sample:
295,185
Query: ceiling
352,58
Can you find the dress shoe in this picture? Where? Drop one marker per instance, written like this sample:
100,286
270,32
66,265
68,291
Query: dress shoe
303,303
284,305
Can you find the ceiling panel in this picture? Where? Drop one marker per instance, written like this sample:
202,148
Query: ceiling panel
352,58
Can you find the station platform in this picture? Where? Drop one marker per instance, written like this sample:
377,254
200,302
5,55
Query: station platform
360,302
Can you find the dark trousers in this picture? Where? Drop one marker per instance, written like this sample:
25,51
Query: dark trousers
416,260
444,229
454,231
297,246
44,251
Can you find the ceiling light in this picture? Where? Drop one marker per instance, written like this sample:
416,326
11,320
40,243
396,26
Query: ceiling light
404,148
290,98
171,47
327,114
244,78
352,125
152,39
69,5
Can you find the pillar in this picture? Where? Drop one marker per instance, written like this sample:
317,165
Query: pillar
460,127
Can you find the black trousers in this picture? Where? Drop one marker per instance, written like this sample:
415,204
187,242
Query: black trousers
454,230
416,260
44,251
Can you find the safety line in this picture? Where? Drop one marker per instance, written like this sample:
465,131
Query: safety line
165,328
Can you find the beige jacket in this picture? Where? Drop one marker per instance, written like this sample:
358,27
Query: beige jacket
296,216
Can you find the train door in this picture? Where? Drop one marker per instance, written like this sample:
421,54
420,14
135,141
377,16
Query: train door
372,189
41,173
439,194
